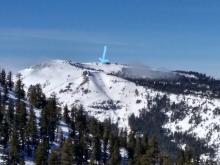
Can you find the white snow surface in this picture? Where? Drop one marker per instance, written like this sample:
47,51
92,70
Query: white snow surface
106,96
103,95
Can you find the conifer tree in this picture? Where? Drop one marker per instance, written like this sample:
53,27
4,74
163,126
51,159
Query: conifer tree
10,112
49,119
60,136
41,155
0,99
154,149
123,137
144,143
3,77
79,150
80,121
5,132
31,132
55,157
115,155
165,160
96,151
105,144
10,83
185,158
21,121
152,154
1,124
131,145
111,143
1,114
19,88
14,157
84,148
5,94
66,117
36,96
72,122
67,156
138,147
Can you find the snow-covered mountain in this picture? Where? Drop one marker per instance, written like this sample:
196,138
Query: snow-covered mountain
105,93
92,85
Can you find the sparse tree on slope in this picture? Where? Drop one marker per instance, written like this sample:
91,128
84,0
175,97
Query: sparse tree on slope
19,88
36,96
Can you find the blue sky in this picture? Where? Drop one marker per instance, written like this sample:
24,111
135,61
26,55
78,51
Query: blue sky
170,34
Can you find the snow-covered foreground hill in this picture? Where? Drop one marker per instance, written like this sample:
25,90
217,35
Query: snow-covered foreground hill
105,95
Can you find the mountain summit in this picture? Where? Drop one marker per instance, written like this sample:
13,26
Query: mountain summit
92,85
111,92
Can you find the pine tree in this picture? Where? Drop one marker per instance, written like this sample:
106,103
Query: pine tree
67,156
115,155
84,146
21,121
1,124
49,119
93,126
96,151
31,132
14,157
144,142
80,150
60,136
5,132
105,144
3,77
111,144
31,94
36,96
5,93
185,158
55,157
152,154
41,155
10,112
72,122
66,117
138,147
0,99
10,83
123,137
181,159
166,160
1,114
19,88
80,121
131,145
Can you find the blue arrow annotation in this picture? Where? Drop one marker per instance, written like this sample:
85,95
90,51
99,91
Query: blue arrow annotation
103,59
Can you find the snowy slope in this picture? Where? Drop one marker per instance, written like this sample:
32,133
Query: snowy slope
104,96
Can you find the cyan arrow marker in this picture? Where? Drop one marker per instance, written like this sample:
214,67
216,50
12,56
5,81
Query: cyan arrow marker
103,58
